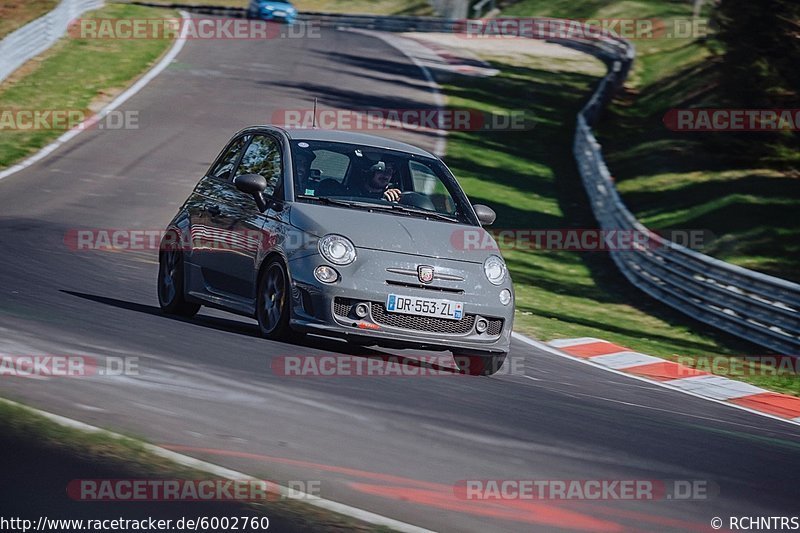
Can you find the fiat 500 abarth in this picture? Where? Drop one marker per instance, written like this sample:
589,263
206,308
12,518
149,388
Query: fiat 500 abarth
341,234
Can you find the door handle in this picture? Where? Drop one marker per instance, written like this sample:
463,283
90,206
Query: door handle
213,209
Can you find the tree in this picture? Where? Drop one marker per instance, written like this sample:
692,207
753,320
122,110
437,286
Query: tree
762,51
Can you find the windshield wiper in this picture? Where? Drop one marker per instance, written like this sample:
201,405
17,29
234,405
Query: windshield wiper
383,207
423,212
332,201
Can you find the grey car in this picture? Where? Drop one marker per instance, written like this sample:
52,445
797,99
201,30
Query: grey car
341,234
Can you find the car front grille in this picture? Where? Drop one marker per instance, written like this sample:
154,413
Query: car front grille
343,307
422,323
424,287
495,326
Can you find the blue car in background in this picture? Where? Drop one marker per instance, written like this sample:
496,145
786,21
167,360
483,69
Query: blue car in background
276,11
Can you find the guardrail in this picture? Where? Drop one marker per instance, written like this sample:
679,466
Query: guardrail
757,307
371,22
37,36
477,9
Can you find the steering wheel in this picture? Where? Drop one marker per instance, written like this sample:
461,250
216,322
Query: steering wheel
416,199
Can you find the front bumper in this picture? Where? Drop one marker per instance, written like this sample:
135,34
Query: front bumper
277,16
328,309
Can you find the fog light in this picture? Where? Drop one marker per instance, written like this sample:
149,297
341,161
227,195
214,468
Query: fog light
362,310
505,297
326,274
481,325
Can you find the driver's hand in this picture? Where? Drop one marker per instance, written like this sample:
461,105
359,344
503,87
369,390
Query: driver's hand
393,195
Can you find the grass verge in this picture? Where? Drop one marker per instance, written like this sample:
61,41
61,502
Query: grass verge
531,180
96,454
17,13
75,74
742,190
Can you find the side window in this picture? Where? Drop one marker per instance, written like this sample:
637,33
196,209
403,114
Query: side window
224,167
427,183
263,156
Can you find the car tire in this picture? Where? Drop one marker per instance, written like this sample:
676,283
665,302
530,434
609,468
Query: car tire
479,365
273,304
171,294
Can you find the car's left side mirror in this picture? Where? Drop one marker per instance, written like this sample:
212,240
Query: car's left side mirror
254,184
250,183
486,215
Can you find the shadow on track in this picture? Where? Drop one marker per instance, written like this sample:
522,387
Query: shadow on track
234,326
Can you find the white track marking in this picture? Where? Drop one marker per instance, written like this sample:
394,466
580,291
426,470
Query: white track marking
177,46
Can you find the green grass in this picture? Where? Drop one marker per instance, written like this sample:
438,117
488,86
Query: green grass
741,189
130,457
75,74
530,179
16,13
577,9
744,189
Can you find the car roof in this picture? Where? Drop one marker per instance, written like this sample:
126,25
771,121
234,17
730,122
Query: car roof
309,134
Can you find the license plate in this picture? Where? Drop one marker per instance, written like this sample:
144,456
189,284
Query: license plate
280,13
412,305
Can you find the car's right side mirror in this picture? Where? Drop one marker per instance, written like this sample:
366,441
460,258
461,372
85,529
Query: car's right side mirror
486,215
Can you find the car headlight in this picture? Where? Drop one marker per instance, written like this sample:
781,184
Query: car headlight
495,269
505,296
337,249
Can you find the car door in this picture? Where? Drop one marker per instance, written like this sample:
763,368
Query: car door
244,231
202,207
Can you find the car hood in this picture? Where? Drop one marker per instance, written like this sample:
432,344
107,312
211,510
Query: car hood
396,233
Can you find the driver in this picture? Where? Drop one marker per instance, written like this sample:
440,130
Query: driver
304,160
376,184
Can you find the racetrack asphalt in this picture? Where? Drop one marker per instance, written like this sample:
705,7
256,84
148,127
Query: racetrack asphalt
391,445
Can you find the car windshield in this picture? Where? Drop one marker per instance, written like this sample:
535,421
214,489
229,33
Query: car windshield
365,177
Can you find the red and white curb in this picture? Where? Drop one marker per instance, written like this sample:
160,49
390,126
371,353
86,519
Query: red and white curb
682,378
446,58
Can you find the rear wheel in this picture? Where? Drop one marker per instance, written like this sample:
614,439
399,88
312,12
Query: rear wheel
274,301
171,296
479,365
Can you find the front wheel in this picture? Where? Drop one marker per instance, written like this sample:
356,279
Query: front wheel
273,301
479,365
171,296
